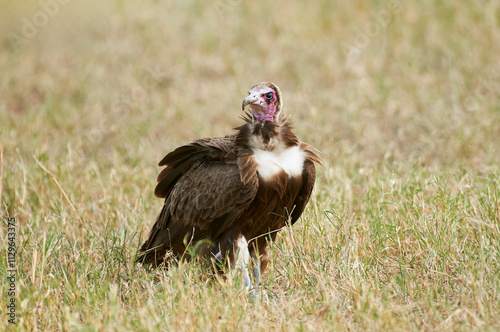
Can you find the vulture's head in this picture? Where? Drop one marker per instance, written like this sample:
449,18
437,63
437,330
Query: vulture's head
264,101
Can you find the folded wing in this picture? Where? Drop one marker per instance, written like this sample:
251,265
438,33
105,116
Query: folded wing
204,196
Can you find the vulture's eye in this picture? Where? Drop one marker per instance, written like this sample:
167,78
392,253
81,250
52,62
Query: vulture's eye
269,95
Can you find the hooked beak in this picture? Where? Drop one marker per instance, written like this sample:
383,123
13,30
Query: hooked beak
251,99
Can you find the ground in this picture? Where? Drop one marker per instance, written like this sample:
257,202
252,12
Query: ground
401,99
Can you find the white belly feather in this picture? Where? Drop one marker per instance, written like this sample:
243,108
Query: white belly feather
290,160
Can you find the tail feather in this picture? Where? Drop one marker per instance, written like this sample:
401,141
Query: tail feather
154,249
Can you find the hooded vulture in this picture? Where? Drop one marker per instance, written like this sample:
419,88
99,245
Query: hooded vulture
228,196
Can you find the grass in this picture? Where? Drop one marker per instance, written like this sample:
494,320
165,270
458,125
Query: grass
401,98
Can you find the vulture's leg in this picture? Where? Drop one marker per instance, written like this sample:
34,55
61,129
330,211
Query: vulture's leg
256,268
242,260
260,293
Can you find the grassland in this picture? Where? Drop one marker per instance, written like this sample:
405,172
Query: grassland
401,98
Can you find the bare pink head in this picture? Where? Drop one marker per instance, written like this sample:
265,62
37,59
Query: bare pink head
264,100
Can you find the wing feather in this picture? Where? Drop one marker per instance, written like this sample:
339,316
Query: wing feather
308,178
206,199
181,159
208,191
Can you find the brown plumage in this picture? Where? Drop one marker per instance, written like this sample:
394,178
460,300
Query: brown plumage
242,186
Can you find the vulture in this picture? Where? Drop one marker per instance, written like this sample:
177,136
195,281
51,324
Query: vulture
227,197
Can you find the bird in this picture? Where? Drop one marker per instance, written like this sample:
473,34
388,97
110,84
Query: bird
228,197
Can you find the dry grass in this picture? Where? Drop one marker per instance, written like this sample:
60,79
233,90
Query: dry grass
401,98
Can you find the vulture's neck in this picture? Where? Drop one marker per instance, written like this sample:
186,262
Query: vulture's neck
272,150
266,135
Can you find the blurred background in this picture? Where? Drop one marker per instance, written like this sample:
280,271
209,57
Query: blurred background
98,92
395,80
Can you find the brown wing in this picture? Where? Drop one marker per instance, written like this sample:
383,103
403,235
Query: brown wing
206,195
181,159
308,178
209,190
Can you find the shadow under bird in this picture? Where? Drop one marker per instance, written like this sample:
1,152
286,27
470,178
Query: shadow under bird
228,196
